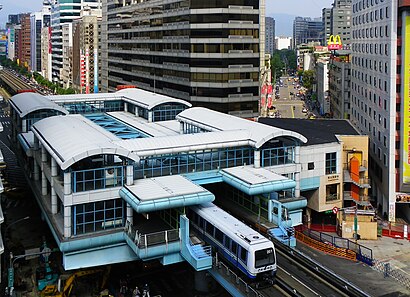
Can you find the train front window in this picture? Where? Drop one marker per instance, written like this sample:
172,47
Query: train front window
264,258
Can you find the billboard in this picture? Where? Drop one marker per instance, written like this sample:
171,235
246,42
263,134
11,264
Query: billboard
406,103
334,43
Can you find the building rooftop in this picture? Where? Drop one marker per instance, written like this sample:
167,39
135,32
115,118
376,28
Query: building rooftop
316,131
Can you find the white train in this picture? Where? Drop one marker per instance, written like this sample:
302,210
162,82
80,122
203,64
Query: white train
244,248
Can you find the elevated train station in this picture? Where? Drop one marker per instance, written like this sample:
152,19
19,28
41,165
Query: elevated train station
114,173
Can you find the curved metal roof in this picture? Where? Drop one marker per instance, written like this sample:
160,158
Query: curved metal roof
147,99
216,121
26,103
72,138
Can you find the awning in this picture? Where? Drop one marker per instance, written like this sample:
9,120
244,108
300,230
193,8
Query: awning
166,192
254,181
26,140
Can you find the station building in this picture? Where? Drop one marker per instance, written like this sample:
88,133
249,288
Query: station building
334,166
114,173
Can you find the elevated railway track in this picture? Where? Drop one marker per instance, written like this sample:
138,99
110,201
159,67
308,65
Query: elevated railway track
14,84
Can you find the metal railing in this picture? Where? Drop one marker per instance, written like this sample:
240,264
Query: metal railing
385,268
200,251
234,279
150,239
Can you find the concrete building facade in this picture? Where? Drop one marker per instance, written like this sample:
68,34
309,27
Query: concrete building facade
210,53
307,30
380,98
269,35
86,64
64,12
341,21
326,23
282,42
46,66
322,82
24,42
38,20
339,86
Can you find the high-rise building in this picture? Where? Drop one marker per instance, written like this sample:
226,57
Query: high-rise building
306,30
381,98
322,82
11,39
269,35
326,23
24,49
46,53
208,53
38,20
14,19
64,12
67,47
341,14
86,65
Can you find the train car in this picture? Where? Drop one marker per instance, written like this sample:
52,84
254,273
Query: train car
244,248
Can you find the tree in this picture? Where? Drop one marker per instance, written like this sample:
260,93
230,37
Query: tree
308,79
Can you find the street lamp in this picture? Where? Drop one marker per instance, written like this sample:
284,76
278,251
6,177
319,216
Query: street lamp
5,234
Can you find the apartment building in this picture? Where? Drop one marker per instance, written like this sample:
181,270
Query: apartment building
380,98
38,20
269,35
64,12
339,85
208,53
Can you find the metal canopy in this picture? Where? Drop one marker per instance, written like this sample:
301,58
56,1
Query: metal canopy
26,103
254,181
153,194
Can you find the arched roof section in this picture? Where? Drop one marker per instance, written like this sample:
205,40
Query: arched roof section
26,103
215,121
72,138
147,99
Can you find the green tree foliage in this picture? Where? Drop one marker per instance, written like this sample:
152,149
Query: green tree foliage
282,60
308,79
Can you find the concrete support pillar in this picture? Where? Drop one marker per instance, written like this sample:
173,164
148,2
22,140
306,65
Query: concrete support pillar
43,184
43,154
257,158
297,154
297,174
130,217
297,187
67,183
181,128
150,116
36,143
67,221
23,126
130,175
36,171
53,201
125,106
53,167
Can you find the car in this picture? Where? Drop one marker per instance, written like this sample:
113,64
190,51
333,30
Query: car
304,110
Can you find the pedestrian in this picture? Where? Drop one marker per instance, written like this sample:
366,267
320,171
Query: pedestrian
136,292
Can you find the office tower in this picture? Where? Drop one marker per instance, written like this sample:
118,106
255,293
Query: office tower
38,20
380,100
23,49
341,14
11,40
306,30
208,53
326,23
14,19
269,35
64,12
86,65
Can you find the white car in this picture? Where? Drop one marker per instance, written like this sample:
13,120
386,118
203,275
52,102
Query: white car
304,110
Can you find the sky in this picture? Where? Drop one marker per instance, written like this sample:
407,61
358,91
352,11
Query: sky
306,8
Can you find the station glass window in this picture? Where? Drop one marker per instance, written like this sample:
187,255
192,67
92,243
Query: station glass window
97,216
331,163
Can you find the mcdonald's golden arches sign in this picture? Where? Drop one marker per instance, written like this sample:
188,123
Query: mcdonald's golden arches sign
334,43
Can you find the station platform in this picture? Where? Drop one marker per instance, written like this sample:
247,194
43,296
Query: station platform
362,275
